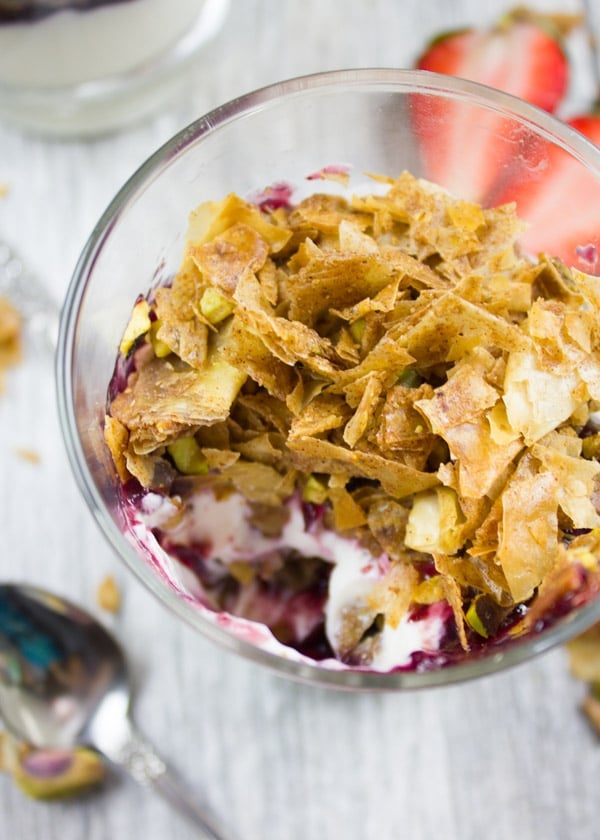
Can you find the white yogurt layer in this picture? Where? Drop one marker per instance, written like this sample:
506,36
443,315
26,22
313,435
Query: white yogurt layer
71,47
350,583
225,526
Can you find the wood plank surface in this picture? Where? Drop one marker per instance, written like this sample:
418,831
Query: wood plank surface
508,756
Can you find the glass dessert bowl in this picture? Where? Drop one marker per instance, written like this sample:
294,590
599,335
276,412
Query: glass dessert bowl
366,455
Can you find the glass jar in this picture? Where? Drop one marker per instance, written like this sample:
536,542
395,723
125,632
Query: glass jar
81,67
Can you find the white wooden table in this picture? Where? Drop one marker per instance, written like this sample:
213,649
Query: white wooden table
508,756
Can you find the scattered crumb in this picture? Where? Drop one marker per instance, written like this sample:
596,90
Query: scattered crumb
109,595
29,455
10,336
3,190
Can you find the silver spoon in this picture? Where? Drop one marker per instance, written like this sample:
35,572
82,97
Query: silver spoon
63,682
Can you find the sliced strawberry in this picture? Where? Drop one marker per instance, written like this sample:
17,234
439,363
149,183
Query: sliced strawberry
521,55
464,149
560,201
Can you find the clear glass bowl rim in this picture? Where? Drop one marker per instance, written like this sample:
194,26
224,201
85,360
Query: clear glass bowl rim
378,79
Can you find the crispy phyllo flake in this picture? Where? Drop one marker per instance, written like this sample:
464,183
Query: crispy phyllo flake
290,341
260,483
537,400
211,219
365,410
528,544
180,326
322,414
165,400
116,437
453,595
316,287
231,255
394,593
452,327
246,351
325,213
396,478
347,514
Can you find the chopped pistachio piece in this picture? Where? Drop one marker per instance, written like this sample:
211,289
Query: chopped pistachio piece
590,447
314,491
49,774
484,615
474,620
138,325
188,457
410,378
357,329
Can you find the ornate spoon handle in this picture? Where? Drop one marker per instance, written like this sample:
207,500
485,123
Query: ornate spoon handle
142,762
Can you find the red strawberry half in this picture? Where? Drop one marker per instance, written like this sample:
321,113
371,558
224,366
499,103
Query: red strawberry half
560,202
522,55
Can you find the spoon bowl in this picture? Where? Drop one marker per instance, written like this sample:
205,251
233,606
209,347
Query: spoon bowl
64,682
56,684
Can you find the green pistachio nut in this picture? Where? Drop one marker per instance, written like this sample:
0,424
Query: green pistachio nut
314,491
410,378
590,447
474,621
357,329
52,774
187,456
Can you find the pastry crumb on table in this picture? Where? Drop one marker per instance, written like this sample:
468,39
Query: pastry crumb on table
10,337
108,595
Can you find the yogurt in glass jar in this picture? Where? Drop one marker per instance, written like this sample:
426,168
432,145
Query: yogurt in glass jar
81,67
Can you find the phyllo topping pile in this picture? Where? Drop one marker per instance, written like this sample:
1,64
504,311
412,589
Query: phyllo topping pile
394,360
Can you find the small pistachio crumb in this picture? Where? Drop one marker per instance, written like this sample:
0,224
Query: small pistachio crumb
139,323
188,456
474,620
357,329
409,378
314,491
